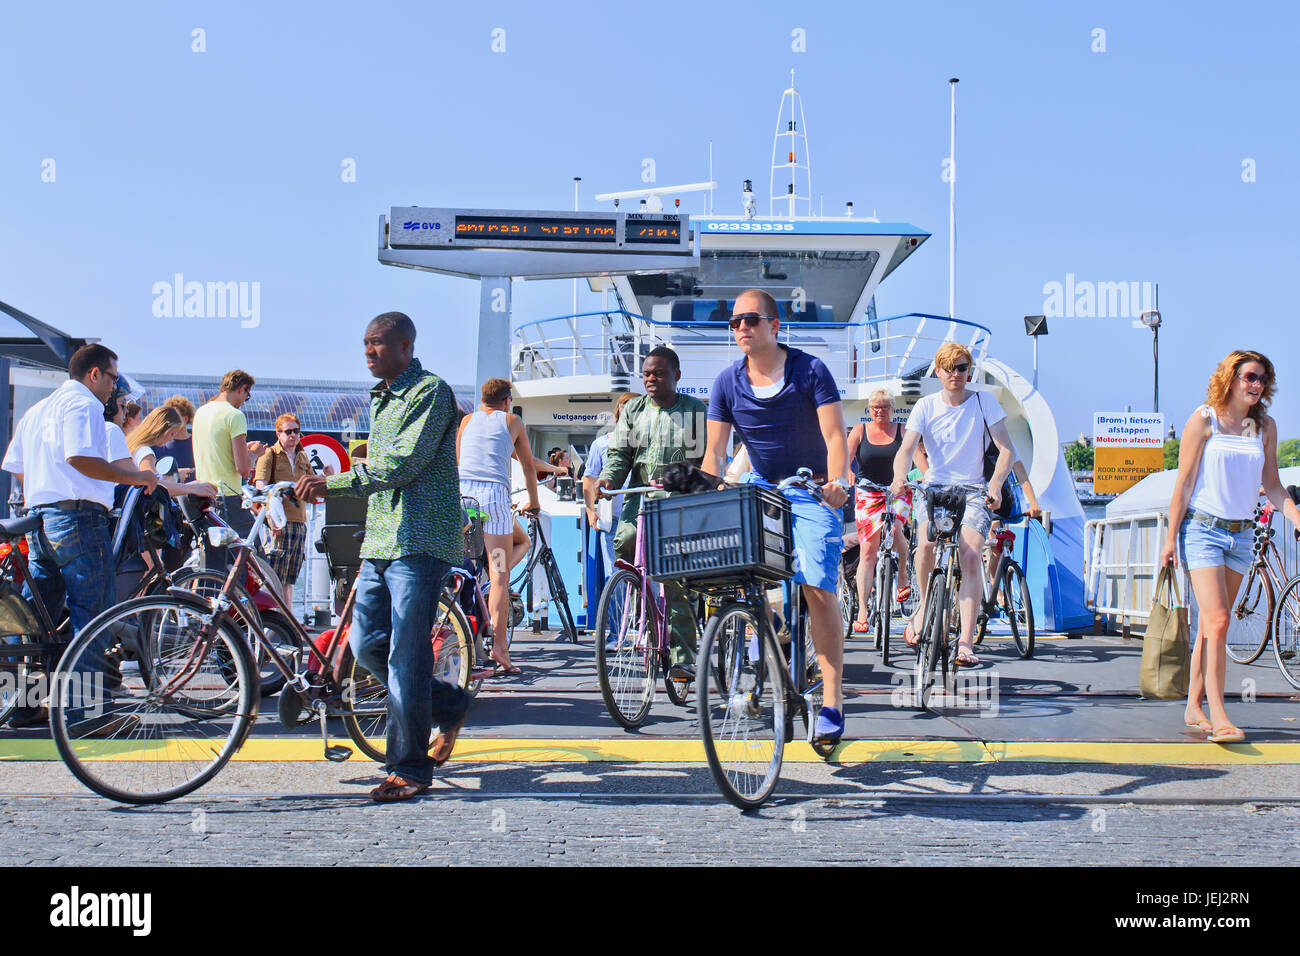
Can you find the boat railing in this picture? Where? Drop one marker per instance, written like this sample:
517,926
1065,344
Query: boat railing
614,342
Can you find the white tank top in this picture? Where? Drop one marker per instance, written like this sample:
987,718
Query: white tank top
1232,466
486,447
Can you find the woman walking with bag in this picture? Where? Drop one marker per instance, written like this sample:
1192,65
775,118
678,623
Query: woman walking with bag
1228,450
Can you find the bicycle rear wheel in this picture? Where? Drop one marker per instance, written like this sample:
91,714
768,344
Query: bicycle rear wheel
744,726
365,716
1286,632
1250,617
1019,609
627,658
138,714
846,591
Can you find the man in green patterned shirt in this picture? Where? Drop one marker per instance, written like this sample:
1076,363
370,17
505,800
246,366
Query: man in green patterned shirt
655,430
413,532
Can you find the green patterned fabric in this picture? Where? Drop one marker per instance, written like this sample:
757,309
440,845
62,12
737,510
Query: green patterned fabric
410,474
648,438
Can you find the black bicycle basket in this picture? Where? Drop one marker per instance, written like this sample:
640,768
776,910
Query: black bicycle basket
720,537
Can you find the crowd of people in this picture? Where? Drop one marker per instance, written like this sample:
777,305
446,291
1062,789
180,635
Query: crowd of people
781,403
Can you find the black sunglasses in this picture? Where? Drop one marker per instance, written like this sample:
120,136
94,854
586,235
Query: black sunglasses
959,369
290,431
750,319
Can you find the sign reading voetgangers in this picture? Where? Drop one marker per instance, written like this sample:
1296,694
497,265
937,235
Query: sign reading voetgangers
1127,446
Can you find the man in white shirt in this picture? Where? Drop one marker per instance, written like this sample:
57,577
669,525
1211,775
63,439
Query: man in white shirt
956,425
60,452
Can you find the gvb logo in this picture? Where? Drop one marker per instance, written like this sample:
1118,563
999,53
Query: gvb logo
76,909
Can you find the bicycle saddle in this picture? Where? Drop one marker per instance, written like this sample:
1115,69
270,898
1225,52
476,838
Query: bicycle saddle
16,527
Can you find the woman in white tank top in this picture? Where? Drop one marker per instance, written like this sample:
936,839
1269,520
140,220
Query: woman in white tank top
1227,453
485,443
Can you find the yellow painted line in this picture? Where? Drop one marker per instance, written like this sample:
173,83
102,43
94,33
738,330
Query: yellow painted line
642,750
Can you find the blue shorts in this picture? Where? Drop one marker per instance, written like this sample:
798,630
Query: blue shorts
1200,546
818,537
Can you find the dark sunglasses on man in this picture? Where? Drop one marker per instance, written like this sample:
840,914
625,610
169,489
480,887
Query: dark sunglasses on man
959,369
290,431
750,319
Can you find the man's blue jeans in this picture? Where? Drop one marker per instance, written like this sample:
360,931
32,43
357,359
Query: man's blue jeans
70,561
392,623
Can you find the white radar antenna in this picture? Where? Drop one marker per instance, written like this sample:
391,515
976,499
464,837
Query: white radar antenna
652,196
790,154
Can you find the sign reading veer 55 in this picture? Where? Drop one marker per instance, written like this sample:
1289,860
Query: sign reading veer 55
1127,446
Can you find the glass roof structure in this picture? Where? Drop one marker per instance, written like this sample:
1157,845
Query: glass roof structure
321,406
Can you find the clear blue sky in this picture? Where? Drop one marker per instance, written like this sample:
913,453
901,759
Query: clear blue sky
225,165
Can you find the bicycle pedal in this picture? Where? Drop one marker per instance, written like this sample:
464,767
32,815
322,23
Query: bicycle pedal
338,753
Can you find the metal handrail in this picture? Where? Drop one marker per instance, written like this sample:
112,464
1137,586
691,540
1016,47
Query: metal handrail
874,354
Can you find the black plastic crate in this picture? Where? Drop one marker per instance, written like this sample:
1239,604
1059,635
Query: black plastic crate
720,536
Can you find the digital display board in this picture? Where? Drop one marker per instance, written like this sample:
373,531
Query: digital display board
664,231
416,227
538,228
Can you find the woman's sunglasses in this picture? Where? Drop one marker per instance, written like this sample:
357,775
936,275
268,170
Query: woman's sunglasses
1252,379
750,319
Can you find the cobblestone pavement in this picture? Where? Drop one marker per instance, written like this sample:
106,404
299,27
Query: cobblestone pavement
499,814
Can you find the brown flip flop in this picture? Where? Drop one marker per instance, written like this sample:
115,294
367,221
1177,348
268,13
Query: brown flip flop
445,743
395,788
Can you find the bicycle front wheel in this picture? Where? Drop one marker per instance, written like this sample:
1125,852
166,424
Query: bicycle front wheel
1019,609
932,642
1250,618
743,726
627,655
1286,632
884,605
142,711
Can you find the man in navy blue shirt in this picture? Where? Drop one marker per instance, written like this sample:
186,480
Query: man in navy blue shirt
786,408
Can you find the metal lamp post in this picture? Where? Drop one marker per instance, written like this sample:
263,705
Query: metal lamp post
1035,325
1152,321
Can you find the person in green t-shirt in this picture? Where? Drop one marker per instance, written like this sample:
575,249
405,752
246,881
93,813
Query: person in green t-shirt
222,454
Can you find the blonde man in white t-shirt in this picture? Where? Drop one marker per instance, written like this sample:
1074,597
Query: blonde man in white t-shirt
956,424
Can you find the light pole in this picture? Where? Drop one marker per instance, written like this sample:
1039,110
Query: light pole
1035,325
1152,321
576,180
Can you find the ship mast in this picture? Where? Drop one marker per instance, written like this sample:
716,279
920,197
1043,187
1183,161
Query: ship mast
790,153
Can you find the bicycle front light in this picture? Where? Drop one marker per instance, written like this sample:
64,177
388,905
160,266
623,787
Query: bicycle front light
943,521
222,537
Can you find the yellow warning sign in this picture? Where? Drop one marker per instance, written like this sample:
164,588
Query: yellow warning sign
1127,446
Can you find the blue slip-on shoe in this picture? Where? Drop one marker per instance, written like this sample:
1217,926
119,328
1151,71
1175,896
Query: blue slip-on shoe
830,724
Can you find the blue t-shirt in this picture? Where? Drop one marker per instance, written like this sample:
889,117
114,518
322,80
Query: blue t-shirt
596,455
780,433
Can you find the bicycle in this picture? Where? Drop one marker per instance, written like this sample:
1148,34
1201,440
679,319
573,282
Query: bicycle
1251,619
540,553
881,600
184,697
1006,595
633,636
747,709
941,623
463,606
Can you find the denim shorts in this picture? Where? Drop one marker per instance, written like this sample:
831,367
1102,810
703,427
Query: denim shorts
818,537
1200,546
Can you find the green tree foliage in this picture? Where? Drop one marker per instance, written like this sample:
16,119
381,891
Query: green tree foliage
1171,454
1288,452
1078,457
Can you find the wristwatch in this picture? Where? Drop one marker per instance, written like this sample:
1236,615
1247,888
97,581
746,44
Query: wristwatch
843,484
